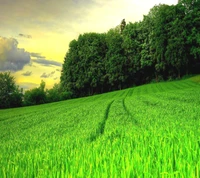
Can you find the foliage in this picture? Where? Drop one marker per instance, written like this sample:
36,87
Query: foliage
10,95
122,26
146,131
164,45
83,70
56,94
35,96
115,63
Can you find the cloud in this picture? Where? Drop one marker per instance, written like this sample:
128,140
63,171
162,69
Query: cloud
25,36
45,75
11,57
27,73
74,15
46,62
37,55
53,72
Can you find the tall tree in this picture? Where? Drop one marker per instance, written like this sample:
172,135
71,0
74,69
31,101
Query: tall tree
70,68
115,60
176,53
159,37
192,23
84,68
147,48
132,51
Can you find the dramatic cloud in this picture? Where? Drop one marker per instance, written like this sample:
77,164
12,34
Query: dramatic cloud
27,73
45,75
11,57
46,62
25,36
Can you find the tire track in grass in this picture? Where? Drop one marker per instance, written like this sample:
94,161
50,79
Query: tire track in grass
129,113
123,92
129,93
101,128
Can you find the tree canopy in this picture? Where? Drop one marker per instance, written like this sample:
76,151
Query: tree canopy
164,45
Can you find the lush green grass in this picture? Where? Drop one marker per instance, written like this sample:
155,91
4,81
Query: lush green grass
147,131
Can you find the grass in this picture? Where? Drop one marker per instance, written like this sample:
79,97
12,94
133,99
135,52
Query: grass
146,131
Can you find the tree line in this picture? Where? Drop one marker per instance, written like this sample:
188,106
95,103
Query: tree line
165,45
12,96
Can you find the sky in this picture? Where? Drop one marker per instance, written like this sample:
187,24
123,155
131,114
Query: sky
35,34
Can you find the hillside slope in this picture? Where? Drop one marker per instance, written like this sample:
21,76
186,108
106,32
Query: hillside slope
147,131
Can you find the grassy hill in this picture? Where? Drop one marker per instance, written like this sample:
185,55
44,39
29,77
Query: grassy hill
146,131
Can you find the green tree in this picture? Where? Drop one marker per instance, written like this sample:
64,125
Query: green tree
57,94
166,44
35,96
115,63
192,24
10,95
132,51
122,26
176,52
160,20
70,68
147,49
83,69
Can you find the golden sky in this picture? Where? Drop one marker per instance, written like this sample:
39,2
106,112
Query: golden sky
35,34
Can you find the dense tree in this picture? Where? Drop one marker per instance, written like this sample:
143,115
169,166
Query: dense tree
115,63
159,17
35,96
164,45
146,50
176,52
70,68
83,70
10,95
192,22
134,51
57,94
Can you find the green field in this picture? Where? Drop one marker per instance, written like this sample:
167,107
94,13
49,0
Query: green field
147,131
